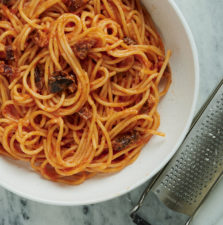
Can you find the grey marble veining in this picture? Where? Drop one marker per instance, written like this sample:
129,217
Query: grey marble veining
205,19
17,211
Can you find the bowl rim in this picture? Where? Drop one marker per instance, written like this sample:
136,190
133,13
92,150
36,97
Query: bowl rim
164,161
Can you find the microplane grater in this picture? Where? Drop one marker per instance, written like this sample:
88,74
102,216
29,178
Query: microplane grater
184,183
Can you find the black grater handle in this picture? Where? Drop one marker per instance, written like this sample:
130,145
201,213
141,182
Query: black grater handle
139,220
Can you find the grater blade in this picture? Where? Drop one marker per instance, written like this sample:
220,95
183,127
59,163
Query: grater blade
198,164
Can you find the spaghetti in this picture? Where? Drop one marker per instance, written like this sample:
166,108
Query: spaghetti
80,82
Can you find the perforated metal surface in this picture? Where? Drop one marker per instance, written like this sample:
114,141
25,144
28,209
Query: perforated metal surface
189,176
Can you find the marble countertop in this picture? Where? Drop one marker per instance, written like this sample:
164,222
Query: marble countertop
205,19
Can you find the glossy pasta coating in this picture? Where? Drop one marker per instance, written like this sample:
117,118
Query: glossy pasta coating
79,85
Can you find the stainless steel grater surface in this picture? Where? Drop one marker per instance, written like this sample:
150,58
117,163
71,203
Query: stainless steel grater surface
196,167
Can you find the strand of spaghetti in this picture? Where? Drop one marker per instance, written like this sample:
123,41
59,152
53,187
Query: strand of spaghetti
135,51
23,143
6,34
163,67
25,75
51,108
122,125
112,104
29,21
32,7
15,22
25,32
53,47
5,143
43,6
109,9
6,25
140,88
141,20
100,81
14,151
117,116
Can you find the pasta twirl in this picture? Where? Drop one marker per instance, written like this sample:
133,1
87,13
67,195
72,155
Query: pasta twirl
80,84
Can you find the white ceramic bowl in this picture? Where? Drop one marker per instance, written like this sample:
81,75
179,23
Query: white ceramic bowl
176,111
